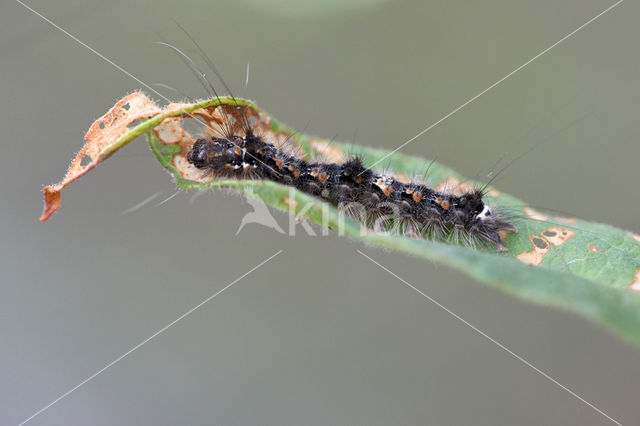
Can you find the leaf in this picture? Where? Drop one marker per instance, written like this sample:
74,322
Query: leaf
589,268
112,131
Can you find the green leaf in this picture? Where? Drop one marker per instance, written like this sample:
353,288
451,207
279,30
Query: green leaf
590,273
588,268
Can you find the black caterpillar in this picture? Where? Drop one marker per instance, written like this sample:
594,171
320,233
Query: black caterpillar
420,211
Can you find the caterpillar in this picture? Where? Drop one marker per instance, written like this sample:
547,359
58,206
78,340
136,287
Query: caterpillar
376,199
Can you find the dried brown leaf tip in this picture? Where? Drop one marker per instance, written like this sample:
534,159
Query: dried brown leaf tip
101,141
113,130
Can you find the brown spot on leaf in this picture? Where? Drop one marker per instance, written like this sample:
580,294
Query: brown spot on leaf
567,220
539,243
453,186
290,202
327,151
401,177
557,236
170,131
534,214
188,171
635,284
540,249
503,234
541,217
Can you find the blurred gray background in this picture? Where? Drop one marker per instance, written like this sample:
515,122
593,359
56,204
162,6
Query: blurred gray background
319,335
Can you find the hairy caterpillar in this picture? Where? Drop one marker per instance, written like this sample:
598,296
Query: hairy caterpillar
376,199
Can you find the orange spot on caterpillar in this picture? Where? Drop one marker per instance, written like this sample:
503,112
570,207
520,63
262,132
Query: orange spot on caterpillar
279,164
358,180
540,249
443,203
296,174
322,177
557,236
594,249
417,196
635,284
384,183
408,191
238,150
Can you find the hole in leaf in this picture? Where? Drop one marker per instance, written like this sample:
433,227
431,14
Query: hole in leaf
86,160
540,243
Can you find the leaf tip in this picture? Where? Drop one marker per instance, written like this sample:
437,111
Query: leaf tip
51,202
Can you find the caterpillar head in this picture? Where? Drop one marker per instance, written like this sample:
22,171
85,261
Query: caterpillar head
483,221
205,153
490,225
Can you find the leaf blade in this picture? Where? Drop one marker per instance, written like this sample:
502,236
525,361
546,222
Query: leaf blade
592,269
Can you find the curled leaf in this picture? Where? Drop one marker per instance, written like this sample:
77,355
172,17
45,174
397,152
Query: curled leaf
102,140
589,268
113,131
